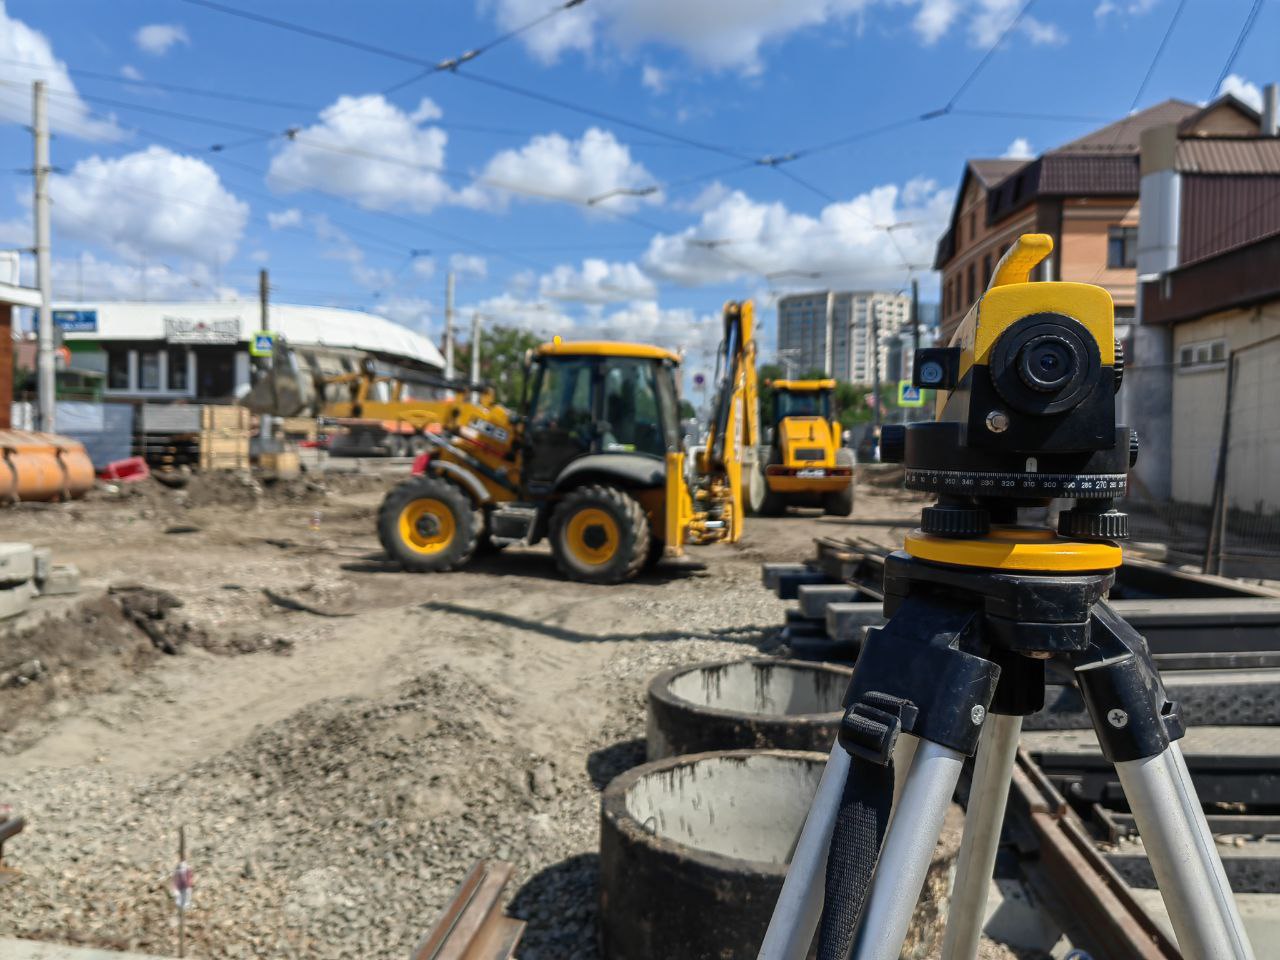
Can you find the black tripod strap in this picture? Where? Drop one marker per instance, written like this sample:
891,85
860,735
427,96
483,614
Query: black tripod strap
855,849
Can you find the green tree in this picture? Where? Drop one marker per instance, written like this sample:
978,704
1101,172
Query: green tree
687,412
766,373
502,353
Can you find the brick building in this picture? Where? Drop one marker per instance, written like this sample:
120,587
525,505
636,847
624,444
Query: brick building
1084,194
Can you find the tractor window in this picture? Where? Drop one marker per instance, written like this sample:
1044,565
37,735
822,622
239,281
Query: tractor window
632,417
806,403
564,396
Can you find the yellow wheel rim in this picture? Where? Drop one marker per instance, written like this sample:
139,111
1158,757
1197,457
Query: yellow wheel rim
427,526
592,536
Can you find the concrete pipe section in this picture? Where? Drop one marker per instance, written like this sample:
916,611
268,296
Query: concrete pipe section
783,704
693,851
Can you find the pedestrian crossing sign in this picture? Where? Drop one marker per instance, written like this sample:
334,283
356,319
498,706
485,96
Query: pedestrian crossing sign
909,395
262,344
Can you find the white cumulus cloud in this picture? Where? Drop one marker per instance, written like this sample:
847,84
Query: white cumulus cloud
26,55
149,204
369,150
1019,149
597,282
731,34
88,277
741,239
158,38
469,265
1242,89
282,219
595,166
654,79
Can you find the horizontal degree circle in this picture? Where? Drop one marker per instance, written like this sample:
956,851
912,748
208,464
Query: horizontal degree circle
1083,486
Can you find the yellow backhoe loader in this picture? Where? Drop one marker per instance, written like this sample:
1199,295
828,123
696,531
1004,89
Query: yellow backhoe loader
808,466
593,463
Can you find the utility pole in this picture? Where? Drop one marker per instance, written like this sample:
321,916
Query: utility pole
264,319
45,376
475,355
448,326
828,355
915,317
873,309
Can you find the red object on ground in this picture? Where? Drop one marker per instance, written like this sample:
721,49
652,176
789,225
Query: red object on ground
129,470
420,463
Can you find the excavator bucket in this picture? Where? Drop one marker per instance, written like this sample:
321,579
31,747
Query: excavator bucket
42,466
282,393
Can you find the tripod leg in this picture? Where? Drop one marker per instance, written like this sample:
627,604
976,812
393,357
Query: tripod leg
983,818
908,850
1188,870
795,917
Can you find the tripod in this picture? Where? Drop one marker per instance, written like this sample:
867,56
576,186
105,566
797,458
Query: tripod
972,624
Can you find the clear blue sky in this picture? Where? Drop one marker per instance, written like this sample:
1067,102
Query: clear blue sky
377,194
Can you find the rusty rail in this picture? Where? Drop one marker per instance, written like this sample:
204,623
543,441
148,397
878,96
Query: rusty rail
1075,872
472,925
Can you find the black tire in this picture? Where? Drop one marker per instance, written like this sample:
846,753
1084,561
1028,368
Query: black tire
657,550
840,504
485,544
397,446
620,542
418,445
427,525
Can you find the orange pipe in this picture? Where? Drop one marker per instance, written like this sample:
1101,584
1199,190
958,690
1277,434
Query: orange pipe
42,466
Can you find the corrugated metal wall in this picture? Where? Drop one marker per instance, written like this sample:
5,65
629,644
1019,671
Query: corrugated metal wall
1223,212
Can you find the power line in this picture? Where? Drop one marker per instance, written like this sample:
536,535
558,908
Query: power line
981,64
1151,69
1246,28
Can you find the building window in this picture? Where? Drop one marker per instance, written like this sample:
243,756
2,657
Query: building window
1202,355
970,295
986,271
973,226
149,370
178,368
1122,247
117,369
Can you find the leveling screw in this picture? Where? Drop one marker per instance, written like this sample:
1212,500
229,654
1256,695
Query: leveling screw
978,714
1117,718
997,421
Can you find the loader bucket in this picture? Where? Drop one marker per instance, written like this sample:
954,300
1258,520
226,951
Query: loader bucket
42,466
281,393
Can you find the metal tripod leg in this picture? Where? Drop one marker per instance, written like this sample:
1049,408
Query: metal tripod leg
795,918
1187,868
908,851
992,770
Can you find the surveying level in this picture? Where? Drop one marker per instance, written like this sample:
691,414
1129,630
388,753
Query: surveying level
977,605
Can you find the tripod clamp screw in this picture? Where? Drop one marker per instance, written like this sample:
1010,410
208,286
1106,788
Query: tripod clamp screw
1117,718
978,714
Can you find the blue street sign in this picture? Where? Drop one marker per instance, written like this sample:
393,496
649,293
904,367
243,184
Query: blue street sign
262,344
909,395
76,321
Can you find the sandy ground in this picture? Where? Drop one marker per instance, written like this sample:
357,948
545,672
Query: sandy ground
340,739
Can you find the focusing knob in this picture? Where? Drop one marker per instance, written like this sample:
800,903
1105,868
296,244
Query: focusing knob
1133,447
946,520
1089,525
1118,363
893,443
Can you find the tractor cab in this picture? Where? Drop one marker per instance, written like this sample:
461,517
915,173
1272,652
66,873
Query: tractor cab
595,399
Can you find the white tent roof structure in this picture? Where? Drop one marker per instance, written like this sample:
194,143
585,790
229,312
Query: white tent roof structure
301,326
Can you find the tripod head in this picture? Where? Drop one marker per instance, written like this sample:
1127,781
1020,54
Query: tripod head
1025,409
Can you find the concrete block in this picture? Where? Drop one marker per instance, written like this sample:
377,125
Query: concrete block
15,599
63,580
847,621
17,562
814,597
770,572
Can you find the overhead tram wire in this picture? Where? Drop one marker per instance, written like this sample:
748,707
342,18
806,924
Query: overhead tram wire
1245,29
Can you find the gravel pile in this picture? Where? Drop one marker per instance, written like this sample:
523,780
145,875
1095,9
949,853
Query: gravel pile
341,831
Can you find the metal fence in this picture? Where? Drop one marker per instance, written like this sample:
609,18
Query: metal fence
1230,521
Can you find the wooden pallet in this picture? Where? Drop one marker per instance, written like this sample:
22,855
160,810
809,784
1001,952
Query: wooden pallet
220,417
224,450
